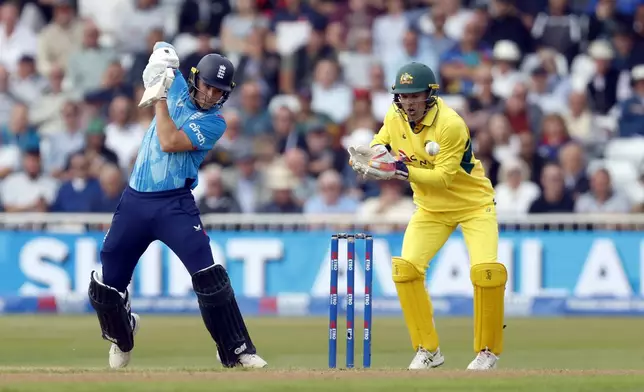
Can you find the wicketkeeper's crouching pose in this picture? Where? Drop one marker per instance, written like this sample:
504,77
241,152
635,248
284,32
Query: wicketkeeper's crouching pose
426,143
158,205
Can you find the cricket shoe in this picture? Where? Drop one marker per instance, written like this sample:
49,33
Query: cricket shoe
485,360
250,361
426,359
118,358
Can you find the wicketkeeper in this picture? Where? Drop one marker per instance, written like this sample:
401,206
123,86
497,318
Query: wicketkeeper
158,205
433,151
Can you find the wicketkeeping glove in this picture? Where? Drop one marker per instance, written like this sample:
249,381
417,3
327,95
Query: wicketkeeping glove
359,160
386,171
376,163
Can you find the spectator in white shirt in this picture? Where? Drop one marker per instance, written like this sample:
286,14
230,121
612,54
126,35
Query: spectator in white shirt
29,190
15,40
357,61
46,111
123,134
541,93
579,118
515,192
410,51
330,95
25,84
330,198
431,29
389,29
381,98
65,142
135,25
296,161
238,25
88,64
457,17
58,40
107,14
506,143
602,197
505,70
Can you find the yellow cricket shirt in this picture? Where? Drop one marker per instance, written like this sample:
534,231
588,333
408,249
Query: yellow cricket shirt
453,180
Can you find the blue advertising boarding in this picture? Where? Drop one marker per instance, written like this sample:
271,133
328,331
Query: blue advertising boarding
280,273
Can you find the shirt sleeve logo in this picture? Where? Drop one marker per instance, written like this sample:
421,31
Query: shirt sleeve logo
196,115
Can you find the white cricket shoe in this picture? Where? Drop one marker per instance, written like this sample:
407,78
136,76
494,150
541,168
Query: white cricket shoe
251,361
119,359
485,360
426,359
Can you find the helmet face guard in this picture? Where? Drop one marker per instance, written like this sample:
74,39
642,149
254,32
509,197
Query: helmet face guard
432,95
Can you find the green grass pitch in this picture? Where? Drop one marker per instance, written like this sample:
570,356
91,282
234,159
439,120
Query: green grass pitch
66,354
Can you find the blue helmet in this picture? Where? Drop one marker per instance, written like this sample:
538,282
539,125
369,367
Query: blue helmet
215,70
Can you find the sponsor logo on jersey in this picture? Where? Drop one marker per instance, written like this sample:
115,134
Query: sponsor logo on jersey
404,157
197,131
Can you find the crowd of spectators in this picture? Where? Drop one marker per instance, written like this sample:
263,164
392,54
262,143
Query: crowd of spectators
552,91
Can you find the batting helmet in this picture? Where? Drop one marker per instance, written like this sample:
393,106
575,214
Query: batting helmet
216,71
415,78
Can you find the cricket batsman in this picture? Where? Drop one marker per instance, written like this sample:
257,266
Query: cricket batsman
158,205
425,142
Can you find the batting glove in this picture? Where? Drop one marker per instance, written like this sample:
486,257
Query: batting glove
157,81
166,54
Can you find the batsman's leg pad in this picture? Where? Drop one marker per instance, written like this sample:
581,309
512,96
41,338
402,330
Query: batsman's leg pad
221,314
489,281
113,311
415,303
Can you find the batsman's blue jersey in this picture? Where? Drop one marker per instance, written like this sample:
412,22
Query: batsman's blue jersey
155,170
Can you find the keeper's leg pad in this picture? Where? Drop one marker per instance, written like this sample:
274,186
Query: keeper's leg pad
415,303
221,314
113,311
489,281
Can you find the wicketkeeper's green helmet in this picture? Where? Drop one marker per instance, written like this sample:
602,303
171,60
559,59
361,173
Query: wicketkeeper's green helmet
415,78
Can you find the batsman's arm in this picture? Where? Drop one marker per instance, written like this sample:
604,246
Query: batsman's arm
170,138
179,82
455,143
